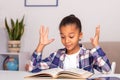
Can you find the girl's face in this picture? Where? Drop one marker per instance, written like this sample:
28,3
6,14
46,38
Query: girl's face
70,36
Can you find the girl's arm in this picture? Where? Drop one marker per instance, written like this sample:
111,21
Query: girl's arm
101,61
37,56
37,64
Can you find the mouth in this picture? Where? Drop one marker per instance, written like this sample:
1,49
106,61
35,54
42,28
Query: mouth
67,46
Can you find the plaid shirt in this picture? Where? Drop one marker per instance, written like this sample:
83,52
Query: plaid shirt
87,60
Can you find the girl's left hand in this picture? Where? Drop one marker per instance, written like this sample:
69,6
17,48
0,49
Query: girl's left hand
27,67
95,40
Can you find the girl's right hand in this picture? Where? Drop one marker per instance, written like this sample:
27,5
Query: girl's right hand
43,39
44,36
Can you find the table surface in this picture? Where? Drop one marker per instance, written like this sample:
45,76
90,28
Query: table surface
19,75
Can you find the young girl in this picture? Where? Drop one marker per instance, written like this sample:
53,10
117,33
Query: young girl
74,55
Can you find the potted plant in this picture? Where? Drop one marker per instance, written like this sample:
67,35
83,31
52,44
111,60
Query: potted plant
15,32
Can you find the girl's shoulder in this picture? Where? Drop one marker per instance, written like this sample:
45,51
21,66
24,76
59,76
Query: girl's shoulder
59,51
84,50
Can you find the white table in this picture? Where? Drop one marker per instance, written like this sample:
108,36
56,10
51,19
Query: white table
12,75
19,75
105,75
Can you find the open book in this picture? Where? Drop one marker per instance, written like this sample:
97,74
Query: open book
61,73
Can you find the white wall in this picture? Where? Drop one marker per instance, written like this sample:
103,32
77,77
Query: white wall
91,12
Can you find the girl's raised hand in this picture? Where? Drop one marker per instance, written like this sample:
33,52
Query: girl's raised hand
43,41
95,40
44,36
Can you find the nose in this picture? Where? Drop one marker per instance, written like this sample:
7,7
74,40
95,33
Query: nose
67,40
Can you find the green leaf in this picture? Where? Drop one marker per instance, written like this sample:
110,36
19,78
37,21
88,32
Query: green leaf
17,29
16,32
21,22
12,23
8,29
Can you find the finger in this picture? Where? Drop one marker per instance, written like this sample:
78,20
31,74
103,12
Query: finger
51,40
40,30
46,33
26,67
43,30
97,30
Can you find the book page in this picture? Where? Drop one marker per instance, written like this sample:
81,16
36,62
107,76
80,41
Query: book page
78,73
68,76
47,73
62,73
76,70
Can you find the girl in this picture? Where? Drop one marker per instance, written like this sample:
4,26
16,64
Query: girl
74,55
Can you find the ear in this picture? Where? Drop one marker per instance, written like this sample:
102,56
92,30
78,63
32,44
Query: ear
80,35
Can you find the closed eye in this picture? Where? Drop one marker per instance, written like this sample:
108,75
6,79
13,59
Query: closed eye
71,37
62,37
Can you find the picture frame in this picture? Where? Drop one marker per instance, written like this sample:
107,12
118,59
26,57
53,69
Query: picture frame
41,3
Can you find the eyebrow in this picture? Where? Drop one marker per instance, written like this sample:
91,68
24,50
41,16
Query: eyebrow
69,33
